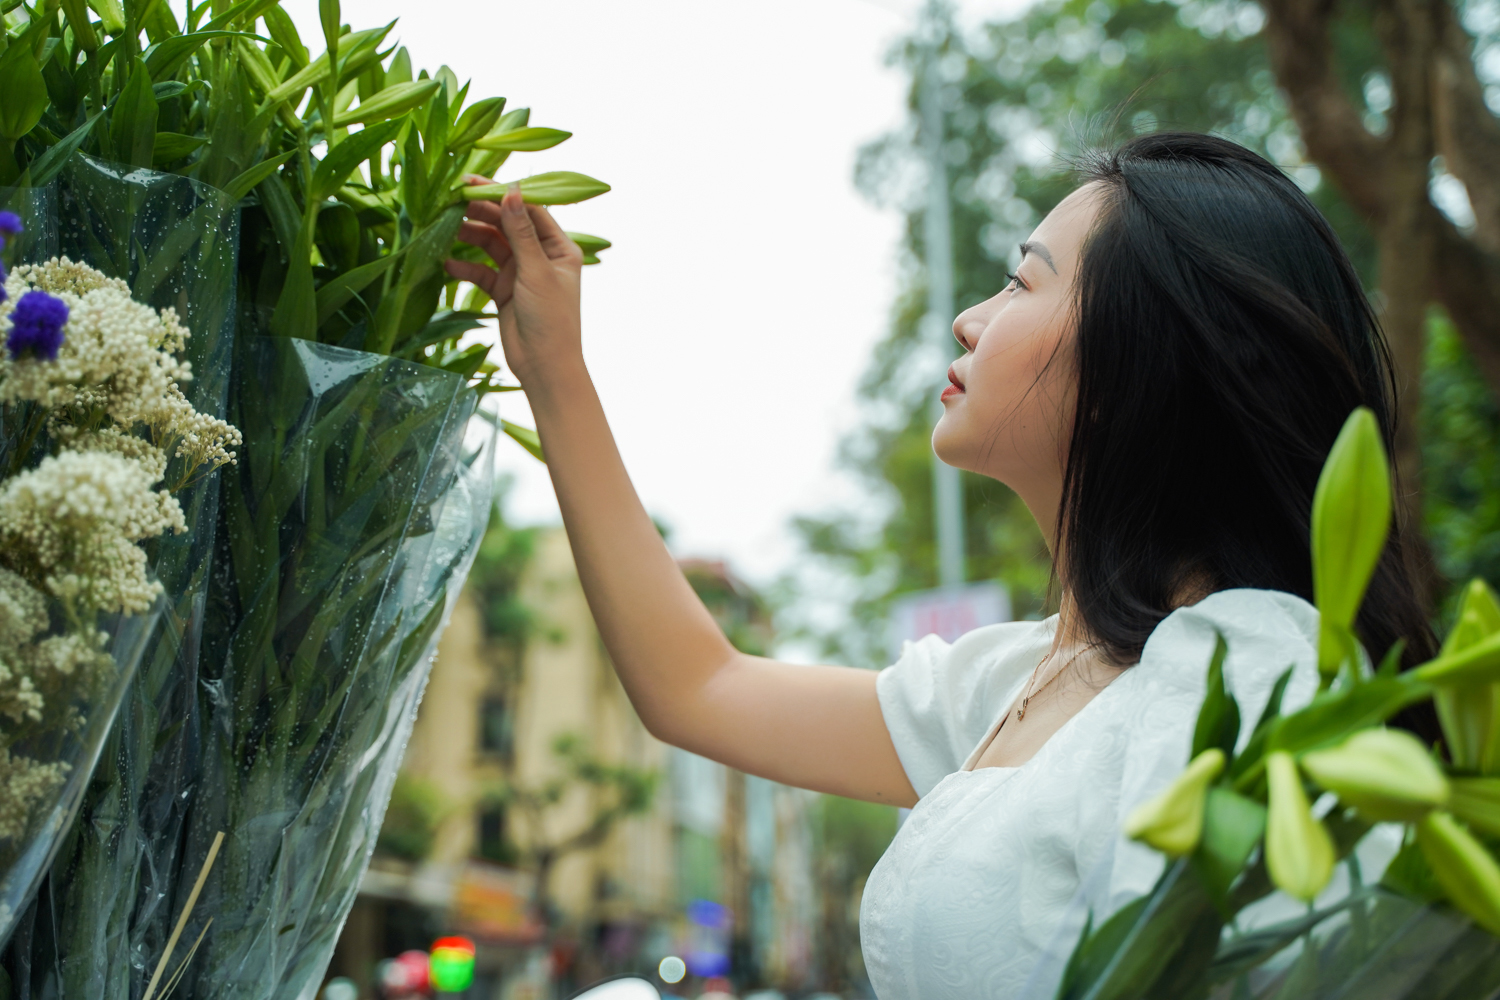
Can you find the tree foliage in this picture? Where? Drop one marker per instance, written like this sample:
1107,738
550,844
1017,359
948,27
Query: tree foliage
1024,99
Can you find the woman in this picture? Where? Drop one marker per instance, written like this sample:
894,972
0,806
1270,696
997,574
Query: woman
1160,382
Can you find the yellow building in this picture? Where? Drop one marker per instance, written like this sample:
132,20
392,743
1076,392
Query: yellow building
519,761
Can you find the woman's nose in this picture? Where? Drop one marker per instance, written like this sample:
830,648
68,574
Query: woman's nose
967,330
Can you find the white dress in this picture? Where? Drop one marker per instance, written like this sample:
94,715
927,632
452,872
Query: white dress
986,887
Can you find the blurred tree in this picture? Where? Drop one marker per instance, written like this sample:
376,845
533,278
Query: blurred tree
1023,98
615,792
411,819
852,837
1379,90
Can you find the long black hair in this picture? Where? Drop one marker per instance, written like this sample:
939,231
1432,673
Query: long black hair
1223,337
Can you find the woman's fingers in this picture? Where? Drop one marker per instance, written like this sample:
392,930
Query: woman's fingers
520,231
554,240
487,238
498,285
550,235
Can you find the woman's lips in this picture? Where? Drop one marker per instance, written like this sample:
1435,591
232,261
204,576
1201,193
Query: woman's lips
955,389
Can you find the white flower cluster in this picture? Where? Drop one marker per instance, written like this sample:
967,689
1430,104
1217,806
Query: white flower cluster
24,785
117,360
71,527
80,516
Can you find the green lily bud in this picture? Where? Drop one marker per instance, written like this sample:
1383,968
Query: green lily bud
1476,801
391,102
1466,871
1384,773
524,140
560,187
1351,516
1172,820
1470,713
1299,851
111,13
77,13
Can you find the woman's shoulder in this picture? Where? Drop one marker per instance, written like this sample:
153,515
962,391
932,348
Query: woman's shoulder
939,698
1266,633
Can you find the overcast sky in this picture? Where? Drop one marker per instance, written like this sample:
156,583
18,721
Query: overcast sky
728,326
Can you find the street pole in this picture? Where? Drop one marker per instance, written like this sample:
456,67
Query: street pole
947,491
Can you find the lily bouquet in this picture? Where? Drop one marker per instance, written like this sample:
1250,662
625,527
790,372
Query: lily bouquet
295,207
1248,905
95,421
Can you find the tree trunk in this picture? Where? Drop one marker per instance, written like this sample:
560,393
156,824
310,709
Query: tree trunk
1437,107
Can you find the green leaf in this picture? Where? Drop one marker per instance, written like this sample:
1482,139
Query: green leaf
524,140
1332,715
475,123
337,292
283,32
174,146
399,70
46,166
248,181
1351,517
467,361
164,58
1411,875
1479,662
391,102
435,131
243,12
526,438
1219,718
1232,826
590,245
318,70
132,123
559,187
346,156
24,92
443,326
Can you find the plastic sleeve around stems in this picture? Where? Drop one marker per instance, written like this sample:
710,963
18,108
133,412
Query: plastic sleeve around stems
348,528
175,242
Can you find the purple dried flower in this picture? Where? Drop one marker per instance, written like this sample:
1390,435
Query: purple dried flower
36,326
10,224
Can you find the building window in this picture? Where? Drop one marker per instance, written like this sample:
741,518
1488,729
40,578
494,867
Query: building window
496,728
493,845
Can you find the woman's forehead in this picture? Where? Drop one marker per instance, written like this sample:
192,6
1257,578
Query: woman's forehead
1063,231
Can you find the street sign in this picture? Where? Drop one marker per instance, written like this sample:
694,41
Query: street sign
947,612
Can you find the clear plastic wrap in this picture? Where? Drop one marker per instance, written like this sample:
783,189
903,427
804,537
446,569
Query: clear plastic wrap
66,738
173,240
276,705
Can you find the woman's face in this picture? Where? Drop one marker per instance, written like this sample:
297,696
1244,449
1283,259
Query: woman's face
1007,413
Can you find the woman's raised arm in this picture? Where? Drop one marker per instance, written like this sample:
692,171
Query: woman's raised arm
814,727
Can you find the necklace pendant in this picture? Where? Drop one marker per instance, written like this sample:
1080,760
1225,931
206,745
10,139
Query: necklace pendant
1021,712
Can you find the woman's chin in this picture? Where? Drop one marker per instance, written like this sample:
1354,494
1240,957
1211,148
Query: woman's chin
949,445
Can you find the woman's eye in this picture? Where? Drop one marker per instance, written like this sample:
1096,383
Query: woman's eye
1013,281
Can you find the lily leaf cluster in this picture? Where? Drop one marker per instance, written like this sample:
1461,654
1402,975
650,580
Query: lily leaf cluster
352,167
1307,785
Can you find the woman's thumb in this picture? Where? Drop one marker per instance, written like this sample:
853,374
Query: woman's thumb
519,230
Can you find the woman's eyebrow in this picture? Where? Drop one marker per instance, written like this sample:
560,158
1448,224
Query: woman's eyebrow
1040,251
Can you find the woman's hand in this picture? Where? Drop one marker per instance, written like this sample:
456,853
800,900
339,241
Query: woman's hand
535,282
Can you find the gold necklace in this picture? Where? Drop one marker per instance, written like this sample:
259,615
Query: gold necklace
1026,698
